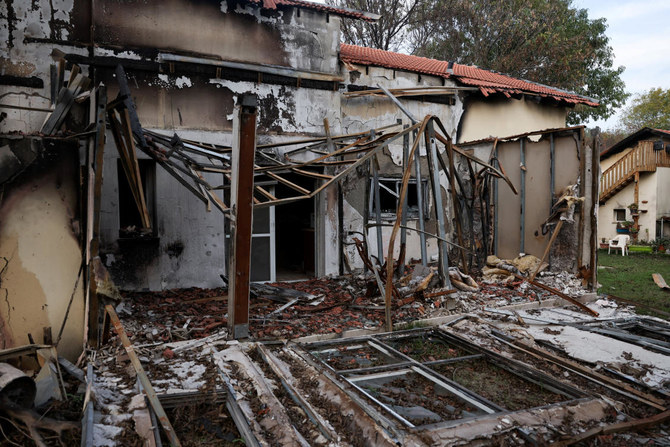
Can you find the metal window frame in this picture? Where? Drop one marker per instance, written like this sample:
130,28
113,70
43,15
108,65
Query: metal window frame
410,215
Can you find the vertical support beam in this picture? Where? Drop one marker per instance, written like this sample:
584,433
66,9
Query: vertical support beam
522,148
419,202
595,194
580,142
552,169
456,203
378,206
94,168
241,214
403,222
496,238
434,169
636,200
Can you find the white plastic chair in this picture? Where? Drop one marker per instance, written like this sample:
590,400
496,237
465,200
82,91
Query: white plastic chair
621,241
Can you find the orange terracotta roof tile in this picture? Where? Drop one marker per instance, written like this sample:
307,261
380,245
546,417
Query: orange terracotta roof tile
488,82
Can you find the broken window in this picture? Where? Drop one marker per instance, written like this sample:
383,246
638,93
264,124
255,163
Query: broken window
130,221
619,215
389,192
432,377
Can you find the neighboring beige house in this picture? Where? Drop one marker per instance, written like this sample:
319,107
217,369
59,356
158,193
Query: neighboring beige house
636,173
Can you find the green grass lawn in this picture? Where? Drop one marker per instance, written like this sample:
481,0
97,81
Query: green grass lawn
629,277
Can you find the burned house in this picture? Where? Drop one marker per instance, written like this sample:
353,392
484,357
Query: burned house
143,142
308,85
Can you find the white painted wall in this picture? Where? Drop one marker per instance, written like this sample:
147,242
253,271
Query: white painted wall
486,118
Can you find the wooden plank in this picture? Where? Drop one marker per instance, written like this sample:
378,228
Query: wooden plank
634,425
265,193
135,168
660,282
557,230
558,293
312,174
142,377
291,185
120,143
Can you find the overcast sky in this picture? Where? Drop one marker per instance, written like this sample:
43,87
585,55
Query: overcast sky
639,32
640,37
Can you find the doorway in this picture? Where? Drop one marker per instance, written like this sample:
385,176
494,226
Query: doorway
295,233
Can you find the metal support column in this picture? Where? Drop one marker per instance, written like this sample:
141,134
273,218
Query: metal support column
417,171
241,215
522,148
419,202
434,168
403,222
552,168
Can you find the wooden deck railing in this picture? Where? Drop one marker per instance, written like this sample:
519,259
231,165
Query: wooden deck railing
641,159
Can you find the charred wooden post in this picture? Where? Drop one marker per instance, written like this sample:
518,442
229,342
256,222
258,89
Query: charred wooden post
595,194
241,215
522,149
552,169
92,244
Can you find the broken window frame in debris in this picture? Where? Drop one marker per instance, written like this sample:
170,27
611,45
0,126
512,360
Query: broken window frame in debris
403,364
657,336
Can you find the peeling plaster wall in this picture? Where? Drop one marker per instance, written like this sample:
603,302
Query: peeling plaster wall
225,30
23,27
488,117
40,255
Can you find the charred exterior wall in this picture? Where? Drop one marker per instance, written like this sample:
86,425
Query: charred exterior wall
40,255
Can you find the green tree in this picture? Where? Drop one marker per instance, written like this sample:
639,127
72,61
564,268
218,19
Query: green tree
387,33
546,41
649,109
